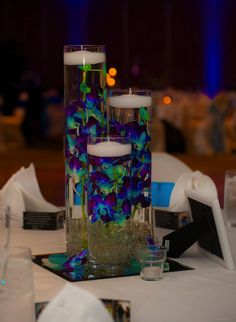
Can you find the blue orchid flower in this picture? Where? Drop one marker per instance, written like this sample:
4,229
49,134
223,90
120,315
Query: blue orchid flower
93,110
141,140
77,274
99,181
75,261
102,209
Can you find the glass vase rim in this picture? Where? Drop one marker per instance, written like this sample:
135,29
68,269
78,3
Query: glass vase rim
131,91
109,138
151,248
80,47
91,139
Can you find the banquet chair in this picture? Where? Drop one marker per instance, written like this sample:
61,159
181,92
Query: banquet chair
11,126
11,136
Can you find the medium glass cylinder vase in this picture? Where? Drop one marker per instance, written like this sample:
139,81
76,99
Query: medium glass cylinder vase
129,115
85,108
109,205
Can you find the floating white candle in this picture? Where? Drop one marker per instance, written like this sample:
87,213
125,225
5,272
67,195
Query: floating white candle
130,101
83,57
109,149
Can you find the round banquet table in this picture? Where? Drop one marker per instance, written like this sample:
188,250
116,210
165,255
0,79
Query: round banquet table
206,294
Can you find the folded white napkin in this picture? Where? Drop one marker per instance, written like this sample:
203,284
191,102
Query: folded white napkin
196,181
22,193
74,304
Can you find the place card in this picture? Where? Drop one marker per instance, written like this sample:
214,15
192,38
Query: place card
43,220
170,220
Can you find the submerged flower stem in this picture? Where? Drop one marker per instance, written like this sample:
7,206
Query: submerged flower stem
83,199
134,211
84,94
83,228
84,81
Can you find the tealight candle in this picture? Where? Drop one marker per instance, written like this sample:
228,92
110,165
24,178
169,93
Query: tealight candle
83,57
130,101
109,149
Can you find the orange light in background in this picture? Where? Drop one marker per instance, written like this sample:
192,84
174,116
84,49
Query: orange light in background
110,77
110,81
112,71
167,100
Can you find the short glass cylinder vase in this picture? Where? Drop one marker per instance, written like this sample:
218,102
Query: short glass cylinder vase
109,205
129,116
85,108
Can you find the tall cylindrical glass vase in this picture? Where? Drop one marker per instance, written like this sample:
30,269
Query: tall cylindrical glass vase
85,108
109,206
129,116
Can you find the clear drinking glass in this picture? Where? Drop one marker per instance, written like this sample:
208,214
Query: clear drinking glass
85,108
230,197
16,287
4,226
109,205
152,259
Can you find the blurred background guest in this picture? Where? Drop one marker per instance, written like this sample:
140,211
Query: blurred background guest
53,116
11,125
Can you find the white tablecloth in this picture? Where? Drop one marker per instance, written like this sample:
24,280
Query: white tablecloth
206,294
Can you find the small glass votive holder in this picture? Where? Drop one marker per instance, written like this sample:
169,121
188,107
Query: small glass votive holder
152,259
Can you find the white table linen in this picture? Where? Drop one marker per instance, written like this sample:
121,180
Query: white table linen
206,294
